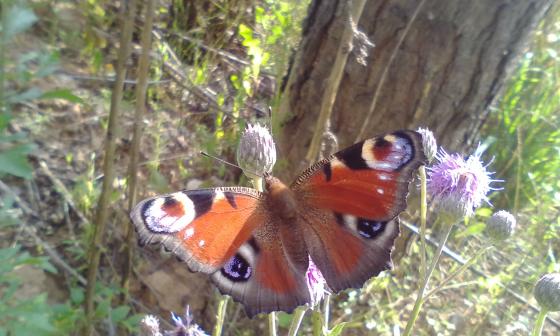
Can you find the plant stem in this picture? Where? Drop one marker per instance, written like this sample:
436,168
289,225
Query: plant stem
423,216
140,93
419,297
460,270
539,323
222,307
326,305
3,47
296,320
354,11
272,324
317,323
372,109
102,212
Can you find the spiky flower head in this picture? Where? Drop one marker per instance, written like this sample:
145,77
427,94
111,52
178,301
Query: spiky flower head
459,185
501,225
149,326
256,153
185,326
315,283
547,292
429,143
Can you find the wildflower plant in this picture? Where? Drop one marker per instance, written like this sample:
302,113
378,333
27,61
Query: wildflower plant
547,294
458,186
183,326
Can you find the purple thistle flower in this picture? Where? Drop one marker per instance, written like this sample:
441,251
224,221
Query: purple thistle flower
459,185
149,326
315,283
186,327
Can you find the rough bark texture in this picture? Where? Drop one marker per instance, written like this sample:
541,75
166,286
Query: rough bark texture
445,75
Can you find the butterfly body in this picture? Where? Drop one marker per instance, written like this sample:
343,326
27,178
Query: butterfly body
341,212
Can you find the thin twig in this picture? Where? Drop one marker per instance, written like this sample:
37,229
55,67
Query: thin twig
353,10
112,79
103,209
222,53
140,94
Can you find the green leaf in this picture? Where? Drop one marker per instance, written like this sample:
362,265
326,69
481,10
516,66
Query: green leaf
62,94
76,295
484,212
18,19
12,137
13,161
118,314
472,229
4,120
246,32
30,94
337,329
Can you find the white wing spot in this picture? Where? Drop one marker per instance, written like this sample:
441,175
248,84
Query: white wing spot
350,221
380,191
188,233
383,177
219,195
201,243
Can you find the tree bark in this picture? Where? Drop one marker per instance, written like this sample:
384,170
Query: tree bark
436,63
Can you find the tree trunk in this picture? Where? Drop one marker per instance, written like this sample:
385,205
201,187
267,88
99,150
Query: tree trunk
436,63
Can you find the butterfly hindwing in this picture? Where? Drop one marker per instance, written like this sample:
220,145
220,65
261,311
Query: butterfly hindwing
352,200
268,272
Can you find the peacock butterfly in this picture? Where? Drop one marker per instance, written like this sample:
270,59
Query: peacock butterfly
342,212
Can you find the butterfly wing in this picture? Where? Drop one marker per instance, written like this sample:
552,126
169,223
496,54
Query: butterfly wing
229,233
268,273
352,201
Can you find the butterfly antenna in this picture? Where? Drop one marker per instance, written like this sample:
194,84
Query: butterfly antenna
228,163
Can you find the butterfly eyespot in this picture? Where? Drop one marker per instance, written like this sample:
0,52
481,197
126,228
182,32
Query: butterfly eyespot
237,269
370,228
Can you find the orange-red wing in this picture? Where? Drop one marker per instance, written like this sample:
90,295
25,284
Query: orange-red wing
202,227
346,258
368,179
350,202
229,233
268,272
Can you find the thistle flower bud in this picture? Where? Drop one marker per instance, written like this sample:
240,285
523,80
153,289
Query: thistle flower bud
453,207
256,153
429,143
547,292
501,225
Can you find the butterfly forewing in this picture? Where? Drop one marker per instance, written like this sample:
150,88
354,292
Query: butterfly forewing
203,227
